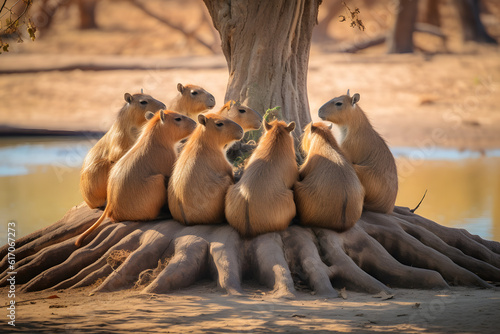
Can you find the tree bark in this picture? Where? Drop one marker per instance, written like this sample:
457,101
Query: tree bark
400,38
87,9
472,26
266,45
431,14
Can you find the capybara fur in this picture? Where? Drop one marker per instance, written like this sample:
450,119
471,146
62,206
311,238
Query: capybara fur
262,201
202,173
137,185
192,100
329,193
246,117
113,145
364,147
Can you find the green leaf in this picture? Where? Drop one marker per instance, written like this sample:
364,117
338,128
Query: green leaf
272,114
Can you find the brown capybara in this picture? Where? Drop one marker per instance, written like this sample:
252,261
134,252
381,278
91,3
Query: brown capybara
364,147
246,117
202,173
329,193
192,100
137,185
262,201
113,145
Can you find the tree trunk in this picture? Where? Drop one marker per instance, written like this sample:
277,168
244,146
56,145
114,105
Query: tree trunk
431,14
400,38
266,45
472,27
86,9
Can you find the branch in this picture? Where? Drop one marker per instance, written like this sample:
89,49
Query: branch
179,28
3,5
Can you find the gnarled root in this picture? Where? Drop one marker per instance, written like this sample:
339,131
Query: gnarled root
379,252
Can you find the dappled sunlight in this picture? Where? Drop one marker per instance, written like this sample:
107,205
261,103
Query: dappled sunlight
203,308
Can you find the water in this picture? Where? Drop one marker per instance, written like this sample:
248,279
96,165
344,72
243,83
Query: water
39,184
463,187
39,181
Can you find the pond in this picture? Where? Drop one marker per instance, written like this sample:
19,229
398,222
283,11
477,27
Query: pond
39,183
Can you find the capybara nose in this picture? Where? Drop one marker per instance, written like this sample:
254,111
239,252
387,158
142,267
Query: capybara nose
321,113
211,101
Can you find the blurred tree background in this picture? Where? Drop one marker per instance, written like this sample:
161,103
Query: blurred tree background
393,22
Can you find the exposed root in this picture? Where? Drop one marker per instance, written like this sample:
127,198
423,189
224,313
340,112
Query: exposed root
116,258
272,268
381,251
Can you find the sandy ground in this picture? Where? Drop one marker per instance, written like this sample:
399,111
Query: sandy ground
203,309
412,100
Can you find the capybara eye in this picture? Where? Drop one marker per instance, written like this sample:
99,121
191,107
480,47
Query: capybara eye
177,119
242,111
143,102
219,124
338,104
193,92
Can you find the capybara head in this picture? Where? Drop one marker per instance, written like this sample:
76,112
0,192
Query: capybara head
195,97
279,127
220,129
337,110
277,133
139,104
246,117
317,129
173,126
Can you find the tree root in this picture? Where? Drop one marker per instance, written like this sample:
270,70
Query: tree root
380,252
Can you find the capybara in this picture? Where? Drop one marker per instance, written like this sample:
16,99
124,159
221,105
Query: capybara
137,185
192,100
262,201
202,173
329,193
368,152
246,117
113,145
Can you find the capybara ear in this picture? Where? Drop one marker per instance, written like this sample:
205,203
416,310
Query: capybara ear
128,97
149,115
313,127
290,127
355,99
202,119
162,116
180,87
348,93
267,126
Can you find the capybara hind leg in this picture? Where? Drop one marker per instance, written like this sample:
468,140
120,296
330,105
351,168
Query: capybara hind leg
145,201
93,185
157,194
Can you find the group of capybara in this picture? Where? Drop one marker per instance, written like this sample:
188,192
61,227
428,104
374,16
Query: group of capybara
136,171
